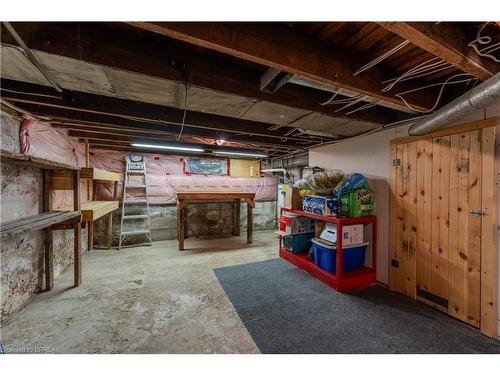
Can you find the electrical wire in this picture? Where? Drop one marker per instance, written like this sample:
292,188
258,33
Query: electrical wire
366,106
425,68
185,111
351,103
382,57
376,130
442,84
485,40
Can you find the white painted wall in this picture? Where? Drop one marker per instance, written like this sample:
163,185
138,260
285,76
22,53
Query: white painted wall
370,155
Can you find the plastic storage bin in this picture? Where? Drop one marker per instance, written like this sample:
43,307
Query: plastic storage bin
325,255
298,243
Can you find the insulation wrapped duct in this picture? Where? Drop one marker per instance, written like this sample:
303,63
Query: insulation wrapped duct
480,97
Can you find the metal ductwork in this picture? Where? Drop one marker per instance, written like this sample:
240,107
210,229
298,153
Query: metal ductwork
480,97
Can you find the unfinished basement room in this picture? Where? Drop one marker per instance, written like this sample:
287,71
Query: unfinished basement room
291,187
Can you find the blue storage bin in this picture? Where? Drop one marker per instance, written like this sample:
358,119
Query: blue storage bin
325,255
298,243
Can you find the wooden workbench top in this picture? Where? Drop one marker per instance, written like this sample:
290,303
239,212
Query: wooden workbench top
202,195
99,174
93,210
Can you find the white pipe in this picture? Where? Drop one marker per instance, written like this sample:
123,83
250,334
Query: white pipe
274,170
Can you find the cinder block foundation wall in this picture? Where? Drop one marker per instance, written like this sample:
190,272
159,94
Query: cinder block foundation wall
21,256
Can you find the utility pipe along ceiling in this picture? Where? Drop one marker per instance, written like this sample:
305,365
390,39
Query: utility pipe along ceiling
121,84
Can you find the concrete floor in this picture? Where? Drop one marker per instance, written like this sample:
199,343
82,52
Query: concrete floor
143,300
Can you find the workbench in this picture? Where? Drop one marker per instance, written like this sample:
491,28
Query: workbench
49,220
183,199
92,209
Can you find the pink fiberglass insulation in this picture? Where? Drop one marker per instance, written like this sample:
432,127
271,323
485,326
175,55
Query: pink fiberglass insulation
165,173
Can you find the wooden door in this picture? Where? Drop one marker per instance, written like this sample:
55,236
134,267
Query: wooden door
442,213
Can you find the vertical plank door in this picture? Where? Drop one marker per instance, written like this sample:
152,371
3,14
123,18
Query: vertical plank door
442,222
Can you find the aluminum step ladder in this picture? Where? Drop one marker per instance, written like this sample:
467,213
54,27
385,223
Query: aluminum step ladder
135,208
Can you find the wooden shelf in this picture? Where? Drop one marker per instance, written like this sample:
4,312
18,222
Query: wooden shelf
332,219
342,281
32,161
93,210
351,280
50,220
36,222
99,174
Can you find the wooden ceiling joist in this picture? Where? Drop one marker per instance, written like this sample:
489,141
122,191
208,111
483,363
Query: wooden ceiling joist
446,41
101,131
284,49
126,48
66,115
122,112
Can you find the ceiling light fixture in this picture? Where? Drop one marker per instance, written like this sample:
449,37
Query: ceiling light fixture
236,153
164,147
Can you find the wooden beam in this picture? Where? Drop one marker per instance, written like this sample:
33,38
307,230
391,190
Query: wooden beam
78,105
131,49
285,49
446,41
102,130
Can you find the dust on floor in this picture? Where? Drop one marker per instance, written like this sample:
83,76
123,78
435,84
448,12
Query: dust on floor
142,300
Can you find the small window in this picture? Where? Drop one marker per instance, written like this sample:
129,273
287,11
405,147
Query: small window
206,166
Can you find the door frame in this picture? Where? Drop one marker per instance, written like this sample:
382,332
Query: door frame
489,247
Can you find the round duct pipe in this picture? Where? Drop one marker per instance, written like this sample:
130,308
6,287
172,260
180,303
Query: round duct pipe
480,97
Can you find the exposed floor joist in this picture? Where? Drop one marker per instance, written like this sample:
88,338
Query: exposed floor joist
269,45
447,42
126,48
97,108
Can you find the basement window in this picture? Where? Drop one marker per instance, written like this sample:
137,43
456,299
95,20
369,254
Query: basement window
206,166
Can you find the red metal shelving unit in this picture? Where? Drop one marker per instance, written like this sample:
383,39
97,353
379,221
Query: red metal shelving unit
340,281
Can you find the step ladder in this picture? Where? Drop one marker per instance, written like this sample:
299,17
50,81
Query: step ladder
135,208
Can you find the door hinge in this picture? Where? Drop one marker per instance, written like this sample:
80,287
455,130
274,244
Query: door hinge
477,213
396,162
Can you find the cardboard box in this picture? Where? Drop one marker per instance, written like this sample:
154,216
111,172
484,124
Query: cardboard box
293,224
356,203
317,204
292,198
351,234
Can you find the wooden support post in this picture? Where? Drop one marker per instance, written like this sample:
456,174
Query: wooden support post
249,223
90,235
181,206
87,164
110,229
48,232
77,245
236,217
